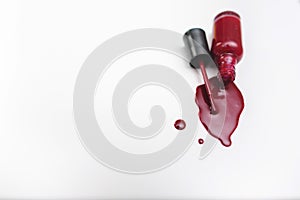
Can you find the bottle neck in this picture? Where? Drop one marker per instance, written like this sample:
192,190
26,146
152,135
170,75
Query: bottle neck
226,63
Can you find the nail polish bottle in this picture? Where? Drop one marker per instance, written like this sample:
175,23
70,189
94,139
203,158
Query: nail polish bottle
226,46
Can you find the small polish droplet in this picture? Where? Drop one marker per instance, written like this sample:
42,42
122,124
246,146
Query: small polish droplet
200,141
179,124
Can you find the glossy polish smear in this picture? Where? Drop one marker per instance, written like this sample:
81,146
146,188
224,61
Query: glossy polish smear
229,104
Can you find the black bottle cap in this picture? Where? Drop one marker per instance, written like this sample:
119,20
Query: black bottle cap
195,40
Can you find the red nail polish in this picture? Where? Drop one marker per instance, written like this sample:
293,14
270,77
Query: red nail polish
227,47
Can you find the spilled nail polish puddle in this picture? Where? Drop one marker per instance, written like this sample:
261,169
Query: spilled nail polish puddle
180,124
229,103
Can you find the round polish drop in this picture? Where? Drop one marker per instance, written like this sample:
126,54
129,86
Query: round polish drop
179,124
200,141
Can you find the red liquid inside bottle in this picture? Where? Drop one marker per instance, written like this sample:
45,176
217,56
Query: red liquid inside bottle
227,48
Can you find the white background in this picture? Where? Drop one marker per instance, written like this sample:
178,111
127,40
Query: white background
42,47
